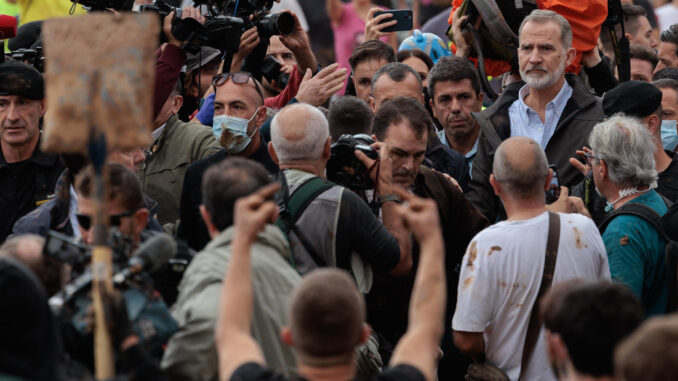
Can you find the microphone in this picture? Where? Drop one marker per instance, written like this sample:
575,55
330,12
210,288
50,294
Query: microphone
7,27
149,257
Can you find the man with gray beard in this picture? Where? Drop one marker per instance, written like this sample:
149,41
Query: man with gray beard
553,108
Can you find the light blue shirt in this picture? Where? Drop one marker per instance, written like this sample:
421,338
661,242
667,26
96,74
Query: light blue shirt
470,155
526,122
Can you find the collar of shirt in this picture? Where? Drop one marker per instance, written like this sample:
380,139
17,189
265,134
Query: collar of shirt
526,122
158,131
443,139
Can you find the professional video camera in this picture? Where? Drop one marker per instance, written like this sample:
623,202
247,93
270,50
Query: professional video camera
32,57
344,168
255,13
134,274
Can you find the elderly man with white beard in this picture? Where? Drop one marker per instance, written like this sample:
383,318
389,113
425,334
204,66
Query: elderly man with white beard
549,106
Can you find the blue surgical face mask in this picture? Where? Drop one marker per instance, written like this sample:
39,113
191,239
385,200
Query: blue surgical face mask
669,135
235,130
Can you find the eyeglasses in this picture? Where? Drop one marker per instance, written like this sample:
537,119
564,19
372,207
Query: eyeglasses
590,157
85,221
239,78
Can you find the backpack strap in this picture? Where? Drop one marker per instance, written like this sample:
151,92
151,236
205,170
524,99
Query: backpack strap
671,261
292,207
639,210
551,256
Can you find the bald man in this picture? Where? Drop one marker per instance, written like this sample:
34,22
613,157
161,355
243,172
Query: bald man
336,223
503,266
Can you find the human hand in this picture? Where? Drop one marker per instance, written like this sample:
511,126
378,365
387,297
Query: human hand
591,58
581,167
420,216
383,167
453,181
374,27
248,41
297,41
253,212
187,12
463,46
317,90
568,204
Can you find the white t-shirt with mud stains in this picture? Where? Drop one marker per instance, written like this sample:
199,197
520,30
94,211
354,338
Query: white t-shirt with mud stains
500,277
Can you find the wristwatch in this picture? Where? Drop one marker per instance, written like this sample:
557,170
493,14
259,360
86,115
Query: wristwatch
382,199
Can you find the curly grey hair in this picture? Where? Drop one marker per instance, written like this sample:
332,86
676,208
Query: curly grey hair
627,148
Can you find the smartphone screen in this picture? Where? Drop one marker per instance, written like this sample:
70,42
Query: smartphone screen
403,17
554,188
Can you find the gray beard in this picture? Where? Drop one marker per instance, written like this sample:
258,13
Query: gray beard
545,81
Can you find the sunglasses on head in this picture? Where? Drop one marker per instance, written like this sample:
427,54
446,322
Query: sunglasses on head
85,221
239,78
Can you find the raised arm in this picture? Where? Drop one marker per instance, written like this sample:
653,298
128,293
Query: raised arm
235,344
335,9
419,346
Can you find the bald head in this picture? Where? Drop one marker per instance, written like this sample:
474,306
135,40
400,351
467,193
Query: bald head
520,166
327,316
299,132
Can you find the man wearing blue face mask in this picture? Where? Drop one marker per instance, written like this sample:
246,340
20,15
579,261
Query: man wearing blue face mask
643,101
239,112
669,89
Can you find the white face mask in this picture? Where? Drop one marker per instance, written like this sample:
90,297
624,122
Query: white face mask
235,130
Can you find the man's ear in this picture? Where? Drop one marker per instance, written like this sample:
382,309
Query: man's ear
261,115
653,124
570,55
140,220
286,336
549,177
207,219
271,151
327,151
178,102
556,348
43,107
495,185
373,105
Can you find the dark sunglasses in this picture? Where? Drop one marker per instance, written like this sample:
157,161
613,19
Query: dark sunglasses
240,78
85,221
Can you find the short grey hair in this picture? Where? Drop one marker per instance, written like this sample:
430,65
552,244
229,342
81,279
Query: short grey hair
542,16
523,182
627,148
397,72
315,133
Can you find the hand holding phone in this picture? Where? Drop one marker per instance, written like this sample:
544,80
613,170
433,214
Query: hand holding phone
403,18
379,23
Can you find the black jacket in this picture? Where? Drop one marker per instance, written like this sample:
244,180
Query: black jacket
582,111
192,229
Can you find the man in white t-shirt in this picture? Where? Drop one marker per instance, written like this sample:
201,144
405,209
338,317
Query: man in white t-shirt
503,265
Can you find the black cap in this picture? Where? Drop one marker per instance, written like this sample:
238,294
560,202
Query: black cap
18,78
633,98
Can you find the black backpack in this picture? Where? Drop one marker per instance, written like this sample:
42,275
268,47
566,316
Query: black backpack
670,250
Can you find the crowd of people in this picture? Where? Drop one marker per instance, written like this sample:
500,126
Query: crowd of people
371,211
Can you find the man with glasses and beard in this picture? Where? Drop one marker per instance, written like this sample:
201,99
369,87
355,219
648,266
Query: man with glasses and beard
553,108
239,112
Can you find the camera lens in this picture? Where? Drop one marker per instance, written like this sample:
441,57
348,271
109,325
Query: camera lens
277,24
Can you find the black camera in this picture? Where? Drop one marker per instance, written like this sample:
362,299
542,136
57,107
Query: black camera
272,70
32,57
344,168
102,5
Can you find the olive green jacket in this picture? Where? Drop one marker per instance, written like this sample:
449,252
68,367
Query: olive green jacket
162,174
191,353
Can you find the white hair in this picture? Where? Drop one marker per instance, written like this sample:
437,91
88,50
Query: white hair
628,150
315,133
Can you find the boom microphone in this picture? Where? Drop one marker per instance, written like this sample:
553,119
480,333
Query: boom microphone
149,257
